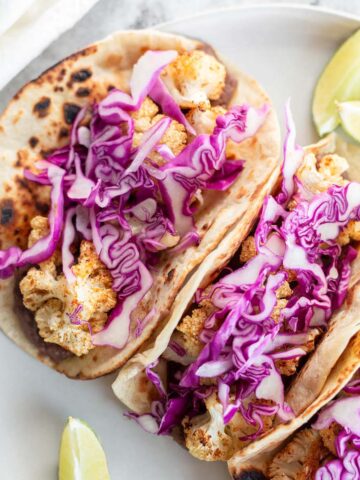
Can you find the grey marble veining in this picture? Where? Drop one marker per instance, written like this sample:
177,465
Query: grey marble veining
110,15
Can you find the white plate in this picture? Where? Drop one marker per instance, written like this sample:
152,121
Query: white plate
285,48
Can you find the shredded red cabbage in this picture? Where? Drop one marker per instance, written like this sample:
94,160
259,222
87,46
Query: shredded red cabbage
240,356
345,411
105,190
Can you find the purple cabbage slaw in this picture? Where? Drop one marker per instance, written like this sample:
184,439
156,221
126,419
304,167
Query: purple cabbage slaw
103,190
240,355
345,411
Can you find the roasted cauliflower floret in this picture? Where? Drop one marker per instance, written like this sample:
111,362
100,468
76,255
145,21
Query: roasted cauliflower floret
284,291
145,114
288,367
194,79
192,325
175,138
328,436
350,232
317,175
205,436
248,249
204,119
280,305
54,301
92,289
299,459
50,321
332,167
238,427
282,295
39,229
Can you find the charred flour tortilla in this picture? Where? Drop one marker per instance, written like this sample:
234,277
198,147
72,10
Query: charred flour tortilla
293,449
38,120
191,394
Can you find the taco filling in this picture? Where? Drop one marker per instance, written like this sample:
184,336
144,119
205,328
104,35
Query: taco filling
246,336
124,191
327,449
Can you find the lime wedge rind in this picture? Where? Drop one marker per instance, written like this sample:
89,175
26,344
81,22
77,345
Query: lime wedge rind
349,114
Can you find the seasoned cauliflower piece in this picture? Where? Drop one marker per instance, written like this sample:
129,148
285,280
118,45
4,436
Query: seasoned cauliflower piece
282,295
300,458
332,166
194,79
92,289
349,233
192,325
205,435
207,438
204,119
238,427
284,291
248,249
317,175
280,305
171,354
292,277
39,229
48,295
145,114
53,329
288,367
175,138
328,436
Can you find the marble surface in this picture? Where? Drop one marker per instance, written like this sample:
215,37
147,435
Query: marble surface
110,15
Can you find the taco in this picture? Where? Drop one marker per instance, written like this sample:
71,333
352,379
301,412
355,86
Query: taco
255,347
123,166
324,441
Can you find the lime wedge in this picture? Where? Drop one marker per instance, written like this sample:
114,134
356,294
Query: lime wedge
349,113
340,81
81,455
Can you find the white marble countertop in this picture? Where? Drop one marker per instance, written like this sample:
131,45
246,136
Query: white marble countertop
110,15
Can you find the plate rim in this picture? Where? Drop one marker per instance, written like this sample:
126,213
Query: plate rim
316,9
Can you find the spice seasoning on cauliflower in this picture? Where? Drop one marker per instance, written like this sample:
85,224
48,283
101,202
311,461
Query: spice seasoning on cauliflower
195,78
204,119
282,294
328,436
248,249
192,325
300,459
318,174
205,435
54,301
349,233
289,366
147,116
208,438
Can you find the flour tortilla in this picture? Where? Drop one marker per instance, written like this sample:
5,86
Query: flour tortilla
133,389
37,120
256,457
